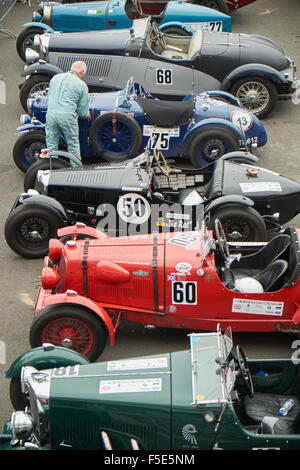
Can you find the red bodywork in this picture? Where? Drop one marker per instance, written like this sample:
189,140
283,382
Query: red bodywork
164,279
151,7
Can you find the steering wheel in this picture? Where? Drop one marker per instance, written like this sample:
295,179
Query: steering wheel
162,166
246,375
159,36
222,240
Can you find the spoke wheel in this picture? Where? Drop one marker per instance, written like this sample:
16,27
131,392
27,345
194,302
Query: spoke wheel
71,327
257,95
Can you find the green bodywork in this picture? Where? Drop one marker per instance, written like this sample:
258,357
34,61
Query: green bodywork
183,400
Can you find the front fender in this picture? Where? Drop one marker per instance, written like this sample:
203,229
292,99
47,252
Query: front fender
69,157
190,31
212,122
225,200
45,357
223,95
30,127
76,299
240,156
46,202
253,70
37,24
40,68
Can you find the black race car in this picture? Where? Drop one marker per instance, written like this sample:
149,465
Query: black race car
251,67
146,194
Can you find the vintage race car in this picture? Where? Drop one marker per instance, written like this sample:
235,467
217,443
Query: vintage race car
251,67
91,282
201,127
172,17
158,402
146,195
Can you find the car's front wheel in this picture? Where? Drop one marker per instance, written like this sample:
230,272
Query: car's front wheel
240,223
210,144
257,95
27,149
32,85
25,40
28,229
69,326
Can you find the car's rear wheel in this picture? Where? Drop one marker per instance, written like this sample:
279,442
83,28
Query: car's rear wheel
27,149
116,136
42,164
32,85
69,326
219,5
257,95
28,229
25,40
210,144
240,223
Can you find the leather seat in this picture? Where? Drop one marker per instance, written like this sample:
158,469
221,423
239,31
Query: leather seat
263,409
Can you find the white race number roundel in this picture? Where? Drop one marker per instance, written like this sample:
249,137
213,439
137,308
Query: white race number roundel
241,119
133,208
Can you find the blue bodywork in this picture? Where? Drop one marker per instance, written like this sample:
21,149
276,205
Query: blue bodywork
213,111
117,14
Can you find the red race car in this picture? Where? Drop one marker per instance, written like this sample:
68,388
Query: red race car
181,279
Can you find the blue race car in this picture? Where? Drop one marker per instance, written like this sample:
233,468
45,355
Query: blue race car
174,17
201,127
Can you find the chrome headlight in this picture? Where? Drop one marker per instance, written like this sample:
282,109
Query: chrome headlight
42,177
21,424
31,56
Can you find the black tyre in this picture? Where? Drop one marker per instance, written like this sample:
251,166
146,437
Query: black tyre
116,136
255,94
32,85
25,40
18,400
28,229
210,144
219,5
42,164
240,223
27,149
69,326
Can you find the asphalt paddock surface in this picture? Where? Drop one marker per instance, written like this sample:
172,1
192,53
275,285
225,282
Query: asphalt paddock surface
276,19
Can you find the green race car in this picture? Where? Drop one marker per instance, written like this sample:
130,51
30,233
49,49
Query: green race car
208,397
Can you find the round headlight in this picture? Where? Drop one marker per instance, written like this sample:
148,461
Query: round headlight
55,249
31,56
50,278
21,424
37,16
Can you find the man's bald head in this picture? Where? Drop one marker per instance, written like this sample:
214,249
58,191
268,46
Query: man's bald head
79,67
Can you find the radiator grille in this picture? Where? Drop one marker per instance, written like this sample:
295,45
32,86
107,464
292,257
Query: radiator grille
96,66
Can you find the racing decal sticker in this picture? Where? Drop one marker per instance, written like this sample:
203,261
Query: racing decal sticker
257,307
183,268
164,77
241,119
133,208
188,432
136,364
207,26
130,386
160,136
260,186
183,240
184,292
